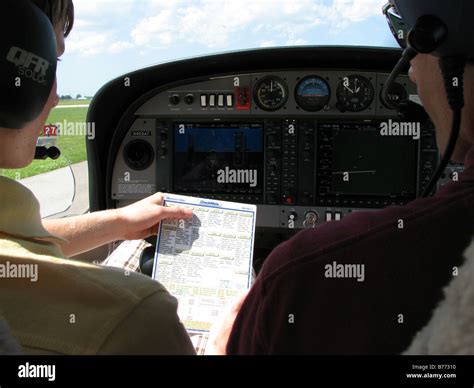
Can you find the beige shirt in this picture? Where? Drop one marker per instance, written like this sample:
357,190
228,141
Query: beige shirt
58,306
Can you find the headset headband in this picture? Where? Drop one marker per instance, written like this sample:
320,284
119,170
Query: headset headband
455,15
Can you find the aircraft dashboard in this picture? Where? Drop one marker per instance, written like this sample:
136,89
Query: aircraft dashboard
302,132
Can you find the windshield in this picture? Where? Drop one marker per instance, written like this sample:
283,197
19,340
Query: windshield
111,38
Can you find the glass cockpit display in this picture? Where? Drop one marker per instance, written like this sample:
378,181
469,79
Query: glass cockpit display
218,158
361,162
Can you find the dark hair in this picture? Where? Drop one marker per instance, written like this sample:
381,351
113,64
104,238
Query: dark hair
58,11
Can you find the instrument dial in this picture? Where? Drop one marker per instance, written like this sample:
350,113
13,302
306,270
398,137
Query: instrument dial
396,95
312,93
354,93
271,93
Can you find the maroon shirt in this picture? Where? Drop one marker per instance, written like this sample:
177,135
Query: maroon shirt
293,308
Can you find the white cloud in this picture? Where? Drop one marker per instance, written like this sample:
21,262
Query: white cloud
87,42
160,24
358,10
118,47
296,42
161,4
90,43
96,27
151,28
219,23
80,24
267,43
94,8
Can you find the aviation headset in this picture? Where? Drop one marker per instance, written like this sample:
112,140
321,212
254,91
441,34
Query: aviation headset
28,61
441,28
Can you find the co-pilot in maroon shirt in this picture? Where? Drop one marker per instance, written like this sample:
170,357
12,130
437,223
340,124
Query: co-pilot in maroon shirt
294,308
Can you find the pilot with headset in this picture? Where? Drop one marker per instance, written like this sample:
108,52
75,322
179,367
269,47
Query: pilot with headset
409,253
68,307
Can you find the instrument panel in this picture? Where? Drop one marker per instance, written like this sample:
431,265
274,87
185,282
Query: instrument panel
318,92
309,142
307,147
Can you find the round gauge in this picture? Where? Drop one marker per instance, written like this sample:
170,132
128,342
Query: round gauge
312,93
396,95
354,93
271,93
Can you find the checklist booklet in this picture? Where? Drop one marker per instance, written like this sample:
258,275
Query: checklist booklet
205,261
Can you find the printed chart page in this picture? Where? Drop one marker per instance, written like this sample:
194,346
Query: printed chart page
205,261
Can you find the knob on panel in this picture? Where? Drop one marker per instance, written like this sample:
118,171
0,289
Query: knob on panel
189,99
174,99
311,218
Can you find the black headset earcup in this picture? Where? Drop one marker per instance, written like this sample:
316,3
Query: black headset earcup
27,62
427,34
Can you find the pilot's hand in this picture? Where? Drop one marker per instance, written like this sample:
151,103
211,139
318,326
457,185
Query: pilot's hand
220,331
141,219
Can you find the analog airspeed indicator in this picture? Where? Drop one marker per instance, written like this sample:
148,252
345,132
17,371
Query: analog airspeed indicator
271,93
354,93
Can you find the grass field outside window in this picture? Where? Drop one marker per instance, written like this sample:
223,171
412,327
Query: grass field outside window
73,148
